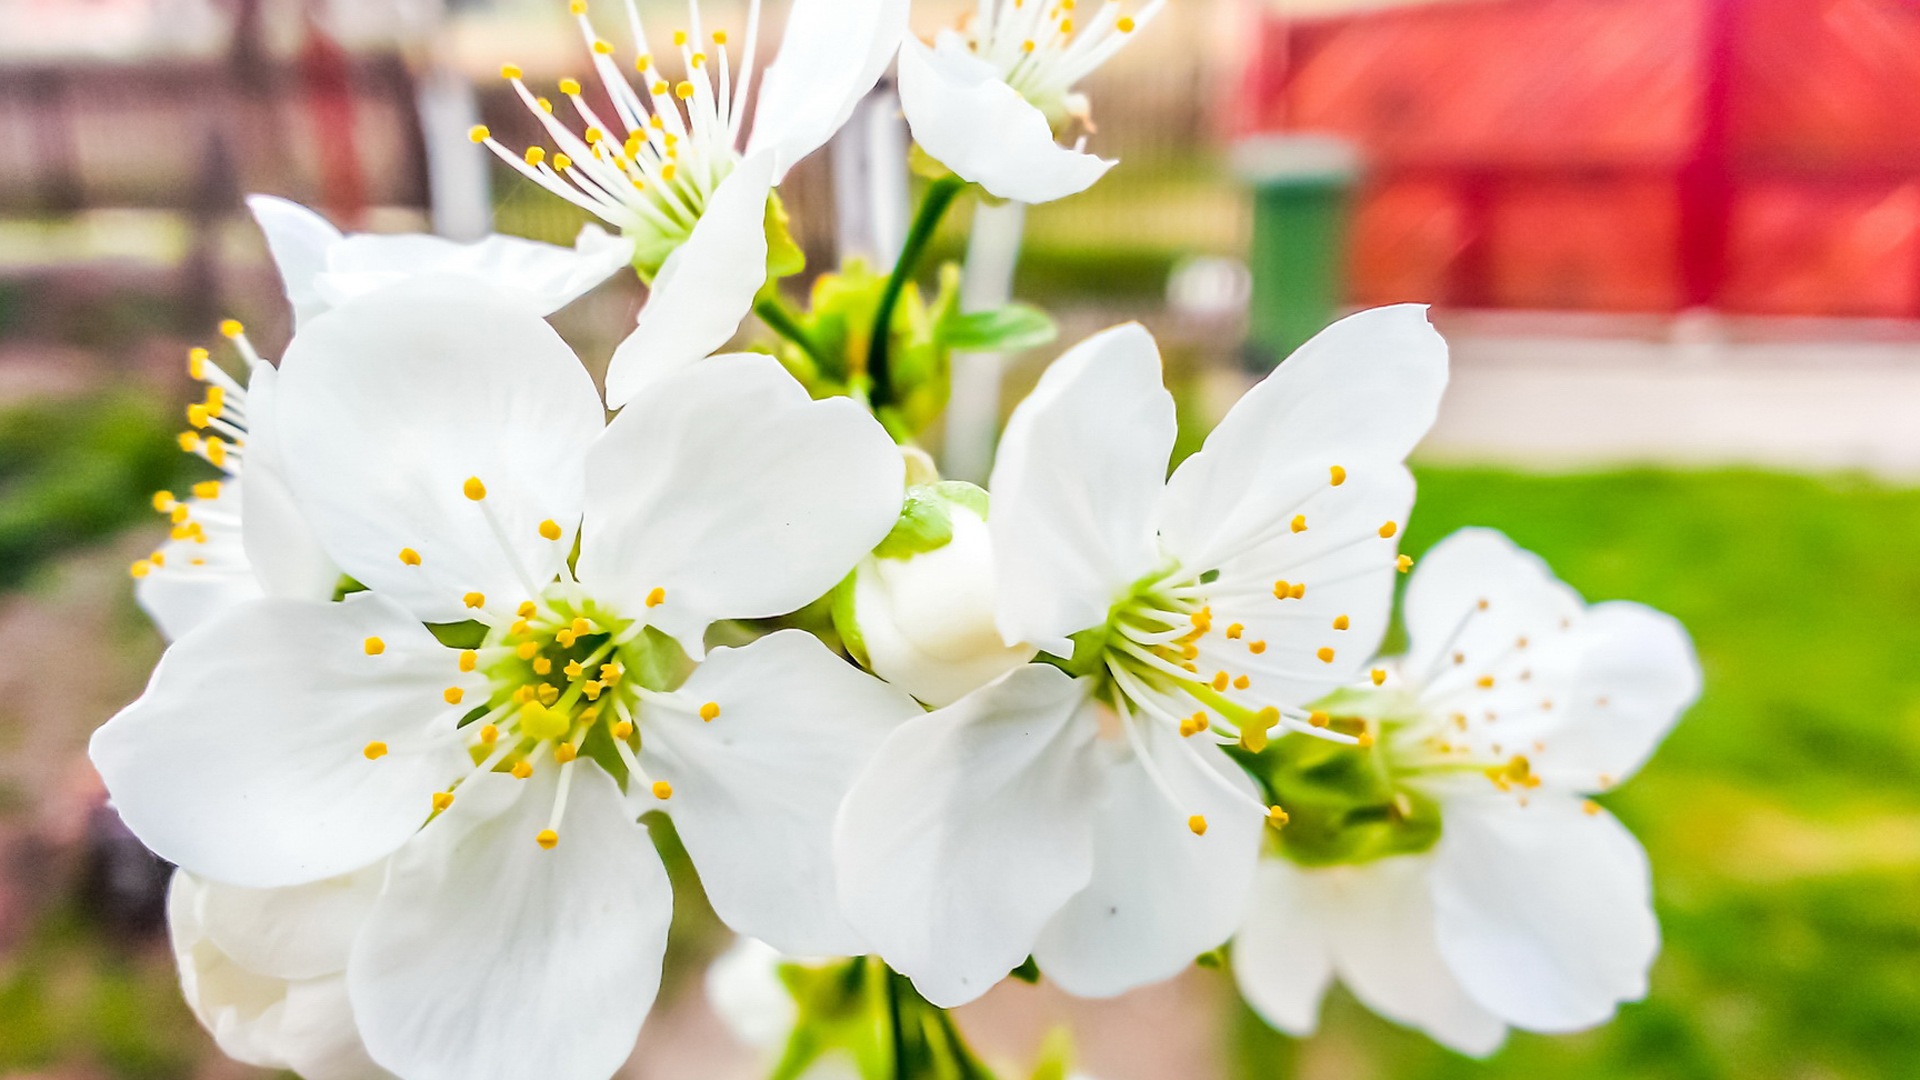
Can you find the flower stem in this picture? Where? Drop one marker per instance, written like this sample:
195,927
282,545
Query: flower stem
781,321
939,199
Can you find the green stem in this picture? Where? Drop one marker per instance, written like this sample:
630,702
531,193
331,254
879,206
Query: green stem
926,221
774,313
897,1024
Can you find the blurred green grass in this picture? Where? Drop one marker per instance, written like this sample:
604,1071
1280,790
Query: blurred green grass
1783,816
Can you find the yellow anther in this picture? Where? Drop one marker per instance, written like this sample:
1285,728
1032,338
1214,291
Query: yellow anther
1282,589
623,730
679,38
1319,719
548,694
1404,563
1299,591
522,769
409,557
489,735
593,135
641,64
197,363
542,666
479,133
593,690
566,638
683,91
511,71
475,600
216,401
189,441
442,800
1338,475
375,751
1234,631
527,609
198,416
1202,620
1220,680
603,47
231,328
539,722
1387,530
656,597
207,489
140,569
578,7
580,627
1256,647
527,650
535,155
662,790
610,674
454,695
1484,682
469,659
698,60
474,489
1299,523
1379,676
178,515
1198,823
1341,622
1190,651
1365,740
546,106
1241,682
163,501
1325,654
1187,729
710,711
660,87
216,451
159,558
1590,807
570,87
1277,817
565,753
520,628
1028,46
719,37
548,839
668,172
550,529
374,646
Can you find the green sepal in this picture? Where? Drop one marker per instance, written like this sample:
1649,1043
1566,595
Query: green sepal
784,256
460,635
846,621
346,587
925,525
1028,972
1342,803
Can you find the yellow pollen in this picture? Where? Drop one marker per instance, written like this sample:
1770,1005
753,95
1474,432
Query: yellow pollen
189,441
454,695
719,37
489,735
565,753
1299,523
570,87
1482,605
1341,622
1387,530
159,558
231,328
546,106
511,71
662,790
216,400
527,609
442,800
522,770
1404,563
528,649
1590,807
548,839
1220,679
1338,475
593,690
1277,817
542,666
479,133
1485,682
548,695
603,47
1126,26
1190,651
577,7
178,515
197,363
1299,591
668,172
374,646
409,557
163,501
710,711
474,489
1319,719
656,597
520,628
562,162
469,660
140,569
475,600
573,669
580,627
550,529
623,730
1325,654
1379,676
698,59
216,451
1027,46
642,62
536,155
198,416
375,751
683,91
610,674
1241,682
207,489
1234,631
679,38
660,87
1198,823
1066,26
1256,647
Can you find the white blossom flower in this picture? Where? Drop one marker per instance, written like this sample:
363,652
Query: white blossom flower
1534,908
264,970
240,537
1082,811
986,103
449,451
682,174
321,268
925,619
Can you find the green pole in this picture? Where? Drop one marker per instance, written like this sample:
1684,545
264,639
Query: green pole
1302,197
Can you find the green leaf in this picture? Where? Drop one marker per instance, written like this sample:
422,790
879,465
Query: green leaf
784,257
1007,329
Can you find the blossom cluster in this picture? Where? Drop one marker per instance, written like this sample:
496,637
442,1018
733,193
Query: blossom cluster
450,646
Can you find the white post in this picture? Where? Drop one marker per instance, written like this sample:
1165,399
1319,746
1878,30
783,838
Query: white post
870,181
973,414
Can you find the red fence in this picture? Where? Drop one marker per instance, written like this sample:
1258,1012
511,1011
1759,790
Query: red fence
1755,156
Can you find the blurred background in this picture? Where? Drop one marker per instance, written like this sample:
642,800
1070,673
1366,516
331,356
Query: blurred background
1675,245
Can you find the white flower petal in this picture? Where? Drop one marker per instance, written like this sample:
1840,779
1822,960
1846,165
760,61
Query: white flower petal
1638,674
832,54
178,603
705,288
1281,960
1076,486
244,759
755,791
281,545
1347,574
489,958
745,990
969,120
319,1036
299,241
387,406
542,278
970,830
1360,395
736,494
303,932
1443,608
1544,912
1379,922
1160,895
